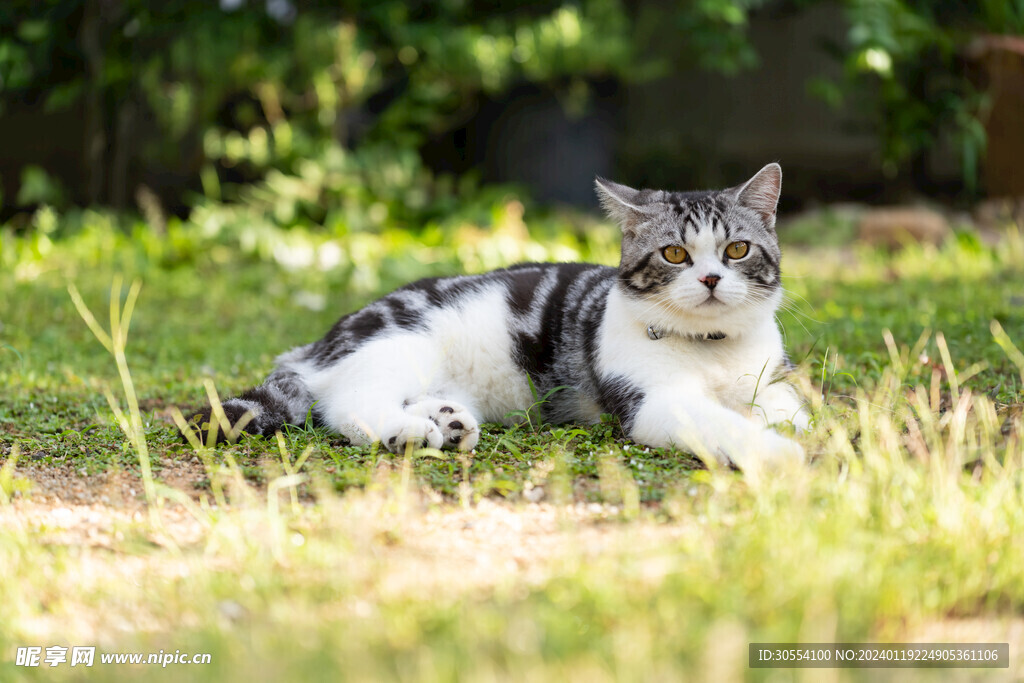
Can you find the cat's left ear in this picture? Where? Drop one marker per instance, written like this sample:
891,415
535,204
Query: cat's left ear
622,204
761,193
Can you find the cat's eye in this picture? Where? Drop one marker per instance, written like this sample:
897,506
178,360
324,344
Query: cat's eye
674,254
737,250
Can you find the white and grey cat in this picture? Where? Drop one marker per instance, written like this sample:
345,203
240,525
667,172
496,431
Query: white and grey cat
679,342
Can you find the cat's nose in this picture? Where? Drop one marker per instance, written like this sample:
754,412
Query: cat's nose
710,280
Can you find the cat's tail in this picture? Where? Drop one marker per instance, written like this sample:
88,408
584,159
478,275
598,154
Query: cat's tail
282,399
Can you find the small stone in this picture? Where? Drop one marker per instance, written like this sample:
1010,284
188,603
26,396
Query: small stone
232,610
535,494
895,226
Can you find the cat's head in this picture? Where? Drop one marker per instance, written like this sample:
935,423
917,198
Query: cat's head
700,262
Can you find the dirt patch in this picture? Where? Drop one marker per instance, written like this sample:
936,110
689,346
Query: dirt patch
73,507
451,547
65,483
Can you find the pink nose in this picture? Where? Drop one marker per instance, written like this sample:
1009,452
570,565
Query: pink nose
710,280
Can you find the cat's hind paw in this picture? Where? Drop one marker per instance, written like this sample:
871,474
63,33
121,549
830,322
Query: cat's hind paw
458,426
414,431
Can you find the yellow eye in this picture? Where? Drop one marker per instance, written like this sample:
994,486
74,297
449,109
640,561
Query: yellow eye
674,254
737,250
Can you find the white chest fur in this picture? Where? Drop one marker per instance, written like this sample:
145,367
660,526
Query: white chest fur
730,371
711,397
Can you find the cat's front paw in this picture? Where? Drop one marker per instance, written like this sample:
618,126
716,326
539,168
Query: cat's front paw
769,451
777,451
801,421
458,426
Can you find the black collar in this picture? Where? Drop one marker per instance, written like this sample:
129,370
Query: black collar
655,334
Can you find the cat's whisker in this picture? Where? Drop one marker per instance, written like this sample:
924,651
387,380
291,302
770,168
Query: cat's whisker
799,311
655,304
797,314
789,293
785,336
787,303
664,301
798,322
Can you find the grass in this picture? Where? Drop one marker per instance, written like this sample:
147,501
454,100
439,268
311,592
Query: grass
306,558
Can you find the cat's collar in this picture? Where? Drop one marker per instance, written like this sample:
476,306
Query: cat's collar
654,334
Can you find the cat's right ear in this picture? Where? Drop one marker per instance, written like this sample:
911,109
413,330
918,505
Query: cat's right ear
761,193
621,203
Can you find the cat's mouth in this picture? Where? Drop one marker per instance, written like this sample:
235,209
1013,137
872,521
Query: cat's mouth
712,300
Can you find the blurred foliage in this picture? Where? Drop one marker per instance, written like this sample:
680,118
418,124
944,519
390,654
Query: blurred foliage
908,60
296,111
288,112
321,261
716,32
302,109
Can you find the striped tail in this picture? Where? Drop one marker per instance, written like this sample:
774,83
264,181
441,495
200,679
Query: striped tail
282,399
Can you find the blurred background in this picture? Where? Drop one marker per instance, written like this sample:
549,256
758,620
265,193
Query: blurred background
357,116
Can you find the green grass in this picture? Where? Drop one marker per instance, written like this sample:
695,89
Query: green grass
639,565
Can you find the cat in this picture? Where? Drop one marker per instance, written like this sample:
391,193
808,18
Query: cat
679,342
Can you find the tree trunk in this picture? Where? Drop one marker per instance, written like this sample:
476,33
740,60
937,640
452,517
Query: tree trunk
95,143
